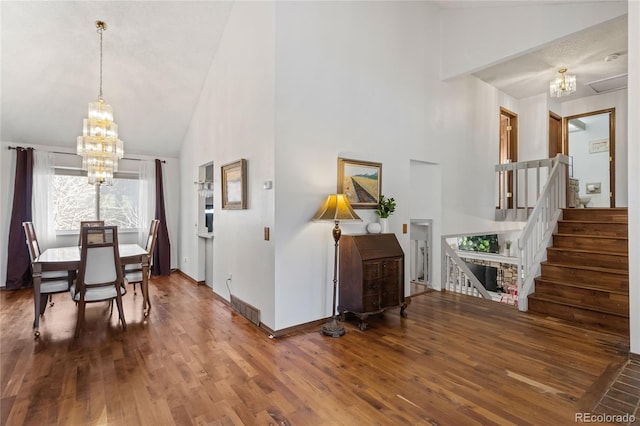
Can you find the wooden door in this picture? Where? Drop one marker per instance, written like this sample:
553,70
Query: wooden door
555,135
508,149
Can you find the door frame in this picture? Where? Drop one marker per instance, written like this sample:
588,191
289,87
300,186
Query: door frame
510,151
612,145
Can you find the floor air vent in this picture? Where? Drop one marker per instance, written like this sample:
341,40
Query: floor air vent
246,310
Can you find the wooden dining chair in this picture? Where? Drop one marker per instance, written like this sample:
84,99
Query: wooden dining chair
133,271
52,281
100,273
89,223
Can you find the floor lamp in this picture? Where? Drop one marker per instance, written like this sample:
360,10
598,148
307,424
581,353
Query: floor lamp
336,208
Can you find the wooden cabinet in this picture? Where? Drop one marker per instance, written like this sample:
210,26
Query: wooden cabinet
371,275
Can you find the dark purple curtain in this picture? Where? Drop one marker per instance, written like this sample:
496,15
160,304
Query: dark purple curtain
18,261
162,253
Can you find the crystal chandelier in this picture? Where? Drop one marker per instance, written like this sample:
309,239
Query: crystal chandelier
563,85
99,145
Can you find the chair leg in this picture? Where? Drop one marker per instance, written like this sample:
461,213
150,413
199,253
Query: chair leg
134,289
121,311
80,321
43,302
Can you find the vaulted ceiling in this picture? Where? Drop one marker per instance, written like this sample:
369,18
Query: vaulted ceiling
156,58
596,56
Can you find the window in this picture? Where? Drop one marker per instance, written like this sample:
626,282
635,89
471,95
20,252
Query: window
74,200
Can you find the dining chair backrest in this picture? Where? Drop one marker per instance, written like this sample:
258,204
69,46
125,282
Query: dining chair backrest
100,273
51,281
152,237
32,240
88,224
133,272
99,257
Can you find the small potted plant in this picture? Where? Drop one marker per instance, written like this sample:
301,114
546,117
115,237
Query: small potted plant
386,207
507,246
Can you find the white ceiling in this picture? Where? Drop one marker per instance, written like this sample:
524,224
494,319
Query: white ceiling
581,53
156,58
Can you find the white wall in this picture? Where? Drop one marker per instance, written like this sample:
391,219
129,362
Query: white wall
425,203
7,175
234,119
617,100
499,33
355,80
533,130
469,149
633,175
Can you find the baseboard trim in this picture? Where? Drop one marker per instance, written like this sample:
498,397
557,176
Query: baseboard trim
193,280
294,329
277,333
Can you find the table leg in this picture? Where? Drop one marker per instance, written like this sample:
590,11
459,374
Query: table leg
145,287
37,279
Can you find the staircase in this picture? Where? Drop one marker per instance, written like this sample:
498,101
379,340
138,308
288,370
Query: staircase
585,279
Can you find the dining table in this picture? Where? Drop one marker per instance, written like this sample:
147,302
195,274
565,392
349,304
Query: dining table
68,258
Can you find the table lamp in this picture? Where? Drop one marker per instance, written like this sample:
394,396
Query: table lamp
335,208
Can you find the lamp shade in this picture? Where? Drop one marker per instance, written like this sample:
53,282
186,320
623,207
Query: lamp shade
336,208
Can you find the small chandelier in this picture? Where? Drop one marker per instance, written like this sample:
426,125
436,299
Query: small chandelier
205,188
99,145
563,85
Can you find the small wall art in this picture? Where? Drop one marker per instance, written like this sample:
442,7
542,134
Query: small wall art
360,181
601,145
234,185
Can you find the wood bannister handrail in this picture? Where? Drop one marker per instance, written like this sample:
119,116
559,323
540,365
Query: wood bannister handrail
457,277
520,185
537,233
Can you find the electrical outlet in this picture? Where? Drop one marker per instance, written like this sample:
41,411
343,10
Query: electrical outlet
185,260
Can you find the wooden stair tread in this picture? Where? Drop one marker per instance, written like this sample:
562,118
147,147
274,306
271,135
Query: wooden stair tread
581,285
591,221
619,210
561,301
589,268
571,287
600,208
592,236
587,251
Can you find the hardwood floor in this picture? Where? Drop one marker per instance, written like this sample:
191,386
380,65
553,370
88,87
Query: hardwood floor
455,360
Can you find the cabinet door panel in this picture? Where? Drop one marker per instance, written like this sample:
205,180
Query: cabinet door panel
371,270
372,287
371,303
391,268
390,298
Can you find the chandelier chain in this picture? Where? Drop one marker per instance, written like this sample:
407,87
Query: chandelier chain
101,27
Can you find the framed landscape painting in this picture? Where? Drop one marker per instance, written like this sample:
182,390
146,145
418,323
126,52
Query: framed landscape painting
360,181
234,185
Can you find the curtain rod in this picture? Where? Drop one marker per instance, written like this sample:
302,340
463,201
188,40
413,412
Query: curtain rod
69,153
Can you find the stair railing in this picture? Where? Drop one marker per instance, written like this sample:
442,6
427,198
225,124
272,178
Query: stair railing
457,277
519,186
537,233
